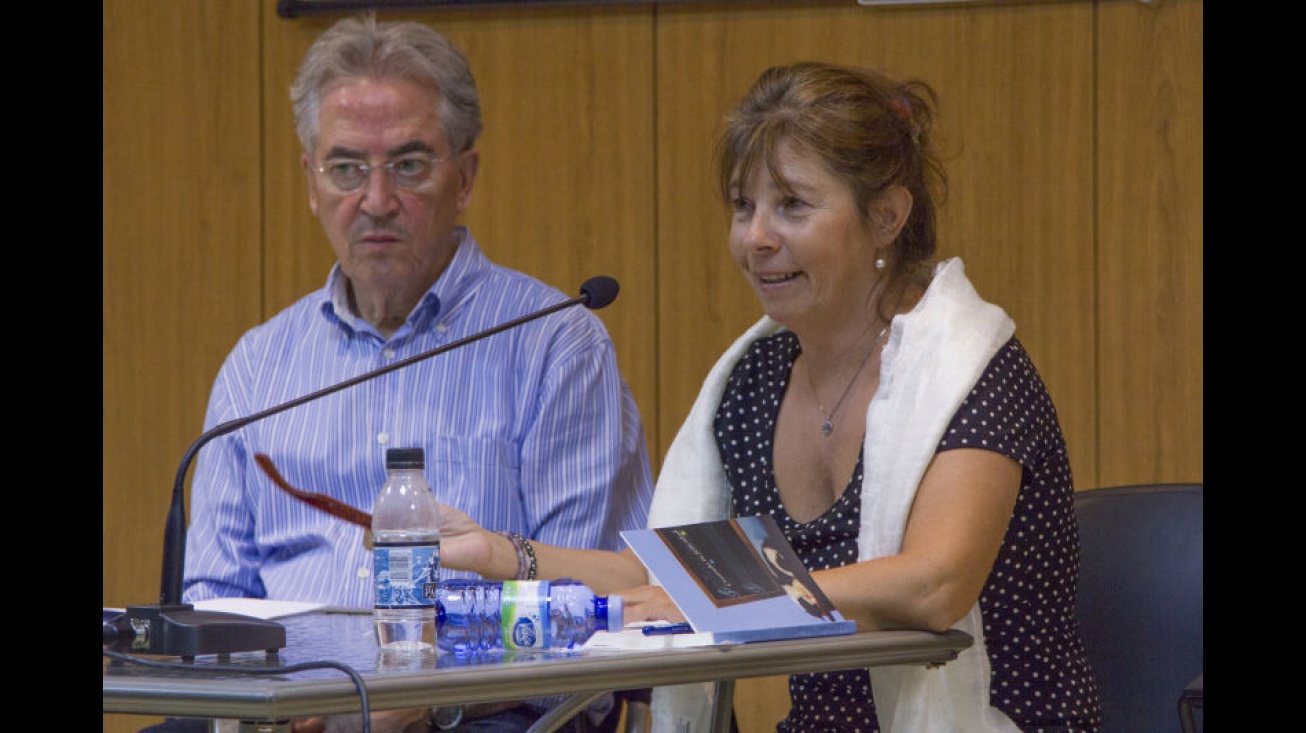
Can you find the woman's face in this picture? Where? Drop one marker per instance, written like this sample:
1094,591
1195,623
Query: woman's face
807,253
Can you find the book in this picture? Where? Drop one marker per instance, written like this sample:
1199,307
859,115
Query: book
738,580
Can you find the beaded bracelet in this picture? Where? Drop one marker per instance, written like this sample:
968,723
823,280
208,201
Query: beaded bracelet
530,552
516,541
526,563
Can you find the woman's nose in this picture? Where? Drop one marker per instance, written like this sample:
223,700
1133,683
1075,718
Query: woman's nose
758,232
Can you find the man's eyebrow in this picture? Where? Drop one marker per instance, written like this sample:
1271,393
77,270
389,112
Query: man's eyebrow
412,146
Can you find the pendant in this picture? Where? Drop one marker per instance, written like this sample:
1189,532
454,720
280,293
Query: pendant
827,427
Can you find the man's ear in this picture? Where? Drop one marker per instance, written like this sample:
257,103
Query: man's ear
468,163
307,162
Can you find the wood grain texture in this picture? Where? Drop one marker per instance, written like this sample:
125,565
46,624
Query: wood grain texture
1150,251
181,212
185,213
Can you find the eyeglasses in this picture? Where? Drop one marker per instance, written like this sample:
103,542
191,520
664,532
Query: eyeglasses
408,171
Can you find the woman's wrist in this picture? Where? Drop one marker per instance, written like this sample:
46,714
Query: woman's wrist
501,562
527,566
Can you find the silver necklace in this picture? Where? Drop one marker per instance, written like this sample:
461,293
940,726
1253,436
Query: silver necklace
827,424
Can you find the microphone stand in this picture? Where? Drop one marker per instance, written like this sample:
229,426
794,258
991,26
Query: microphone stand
174,628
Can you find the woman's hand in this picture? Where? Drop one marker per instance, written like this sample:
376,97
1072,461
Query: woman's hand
648,603
454,522
464,544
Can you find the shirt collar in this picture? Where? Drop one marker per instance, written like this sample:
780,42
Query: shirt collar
453,288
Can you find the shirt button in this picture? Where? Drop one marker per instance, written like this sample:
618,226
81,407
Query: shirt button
388,353
441,327
363,572
383,438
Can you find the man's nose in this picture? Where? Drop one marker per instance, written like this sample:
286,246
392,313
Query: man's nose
379,191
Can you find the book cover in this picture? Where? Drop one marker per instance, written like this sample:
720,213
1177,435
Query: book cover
738,579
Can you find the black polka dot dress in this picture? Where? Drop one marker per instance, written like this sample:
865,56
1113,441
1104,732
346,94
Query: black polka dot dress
1041,678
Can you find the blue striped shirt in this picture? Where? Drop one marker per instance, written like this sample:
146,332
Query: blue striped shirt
531,429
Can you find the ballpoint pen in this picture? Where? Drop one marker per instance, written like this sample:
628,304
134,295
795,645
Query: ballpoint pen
682,628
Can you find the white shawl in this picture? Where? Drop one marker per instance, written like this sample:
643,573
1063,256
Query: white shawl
934,356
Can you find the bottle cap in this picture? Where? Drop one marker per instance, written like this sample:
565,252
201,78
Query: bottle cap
611,611
405,458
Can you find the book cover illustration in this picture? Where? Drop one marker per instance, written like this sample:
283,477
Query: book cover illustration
738,579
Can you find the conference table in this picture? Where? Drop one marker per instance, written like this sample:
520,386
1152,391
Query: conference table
312,674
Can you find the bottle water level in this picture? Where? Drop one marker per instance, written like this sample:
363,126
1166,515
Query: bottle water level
405,630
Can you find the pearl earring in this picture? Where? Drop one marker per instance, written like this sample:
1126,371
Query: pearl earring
880,264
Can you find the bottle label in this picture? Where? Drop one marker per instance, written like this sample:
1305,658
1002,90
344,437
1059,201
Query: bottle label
407,575
524,619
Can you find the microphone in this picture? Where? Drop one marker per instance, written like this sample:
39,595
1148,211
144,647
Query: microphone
174,628
599,292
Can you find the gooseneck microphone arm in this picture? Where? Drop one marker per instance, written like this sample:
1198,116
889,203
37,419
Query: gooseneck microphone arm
173,627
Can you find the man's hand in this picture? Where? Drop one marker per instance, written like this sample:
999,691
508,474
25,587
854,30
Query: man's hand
413,720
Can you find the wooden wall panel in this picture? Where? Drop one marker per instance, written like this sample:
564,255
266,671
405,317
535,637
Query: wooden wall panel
1150,209
565,187
180,263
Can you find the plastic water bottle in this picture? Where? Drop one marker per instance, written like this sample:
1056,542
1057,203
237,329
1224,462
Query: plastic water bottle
474,616
405,554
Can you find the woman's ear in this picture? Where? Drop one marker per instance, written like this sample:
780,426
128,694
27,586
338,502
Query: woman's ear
890,211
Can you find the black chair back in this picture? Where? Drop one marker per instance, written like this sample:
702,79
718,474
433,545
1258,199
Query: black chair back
1140,600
